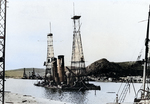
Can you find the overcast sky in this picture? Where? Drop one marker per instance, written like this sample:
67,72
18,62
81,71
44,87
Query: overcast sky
110,29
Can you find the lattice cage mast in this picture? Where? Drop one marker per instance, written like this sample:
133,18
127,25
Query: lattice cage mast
50,57
77,60
2,47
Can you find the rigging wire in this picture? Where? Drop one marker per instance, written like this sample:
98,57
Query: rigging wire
140,54
139,37
134,88
119,88
135,49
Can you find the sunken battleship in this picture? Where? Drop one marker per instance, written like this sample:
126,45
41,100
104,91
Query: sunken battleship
67,78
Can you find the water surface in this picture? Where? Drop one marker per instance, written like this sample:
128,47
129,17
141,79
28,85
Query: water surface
106,94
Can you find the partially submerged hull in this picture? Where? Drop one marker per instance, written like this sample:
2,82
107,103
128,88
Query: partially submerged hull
88,87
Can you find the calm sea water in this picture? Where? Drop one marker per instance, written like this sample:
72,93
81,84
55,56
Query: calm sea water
105,95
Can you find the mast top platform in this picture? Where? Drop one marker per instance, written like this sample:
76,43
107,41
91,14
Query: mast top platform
50,34
76,17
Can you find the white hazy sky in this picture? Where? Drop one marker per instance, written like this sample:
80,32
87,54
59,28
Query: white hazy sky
110,29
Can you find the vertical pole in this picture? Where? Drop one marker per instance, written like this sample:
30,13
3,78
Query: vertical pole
146,55
2,48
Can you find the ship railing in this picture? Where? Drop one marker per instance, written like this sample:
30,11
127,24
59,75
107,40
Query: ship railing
142,96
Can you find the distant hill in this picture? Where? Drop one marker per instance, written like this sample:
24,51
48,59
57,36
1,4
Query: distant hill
103,67
99,68
18,73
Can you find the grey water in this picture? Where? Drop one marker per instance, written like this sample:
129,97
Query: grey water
105,95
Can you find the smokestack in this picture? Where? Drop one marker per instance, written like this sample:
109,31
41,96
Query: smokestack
55,73
24,73
61,67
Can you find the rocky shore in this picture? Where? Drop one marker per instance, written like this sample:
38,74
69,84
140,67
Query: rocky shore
14,98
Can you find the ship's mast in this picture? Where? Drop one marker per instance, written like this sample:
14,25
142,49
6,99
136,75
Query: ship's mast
146,54
50,56
77,60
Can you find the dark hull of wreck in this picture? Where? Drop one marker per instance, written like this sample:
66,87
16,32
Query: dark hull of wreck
79,88
82,88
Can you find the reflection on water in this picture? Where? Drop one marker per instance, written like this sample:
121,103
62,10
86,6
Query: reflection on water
26,87
67,96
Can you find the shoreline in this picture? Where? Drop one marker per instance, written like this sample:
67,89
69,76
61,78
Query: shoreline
15,98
